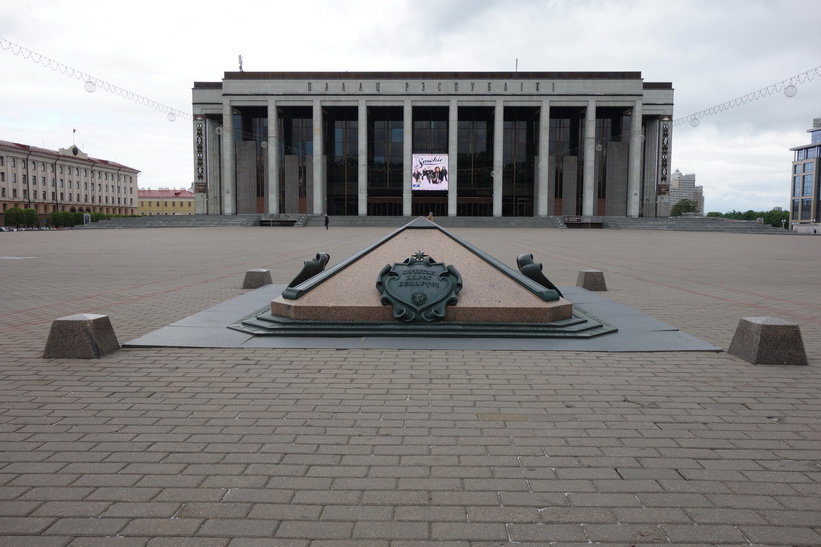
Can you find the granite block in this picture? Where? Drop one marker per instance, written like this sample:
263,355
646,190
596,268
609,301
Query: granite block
768,341
81,336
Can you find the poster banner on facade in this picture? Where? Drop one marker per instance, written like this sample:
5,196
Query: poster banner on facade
430,172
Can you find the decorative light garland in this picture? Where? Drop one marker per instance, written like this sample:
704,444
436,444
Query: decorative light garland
788,86
91,83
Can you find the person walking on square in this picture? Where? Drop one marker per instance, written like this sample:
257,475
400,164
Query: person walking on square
327,221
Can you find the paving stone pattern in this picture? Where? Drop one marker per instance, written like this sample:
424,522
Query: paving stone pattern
251,447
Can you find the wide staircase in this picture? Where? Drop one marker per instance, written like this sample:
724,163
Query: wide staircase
445,222
284,221
175,221
692,224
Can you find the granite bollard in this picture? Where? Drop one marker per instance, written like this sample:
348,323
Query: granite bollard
81,336
768,341
592,280
256,278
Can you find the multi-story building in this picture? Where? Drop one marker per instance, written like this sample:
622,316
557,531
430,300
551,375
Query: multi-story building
805,200
451,143
684,187
166,201
67,179
698,198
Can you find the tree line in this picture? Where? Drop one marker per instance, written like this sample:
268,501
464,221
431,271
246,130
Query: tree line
27,218
773,218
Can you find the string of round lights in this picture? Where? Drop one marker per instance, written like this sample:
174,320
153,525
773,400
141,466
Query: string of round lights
789,87
92,83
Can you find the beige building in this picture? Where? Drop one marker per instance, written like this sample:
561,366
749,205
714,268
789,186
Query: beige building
67,179
166,201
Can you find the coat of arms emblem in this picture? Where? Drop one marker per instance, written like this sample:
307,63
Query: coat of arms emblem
420,289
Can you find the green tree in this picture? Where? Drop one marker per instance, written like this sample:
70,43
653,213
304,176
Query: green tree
30,217
683,206
13,217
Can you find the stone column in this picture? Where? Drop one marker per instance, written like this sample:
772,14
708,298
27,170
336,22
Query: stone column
453,148
362,155
213,169
542,197
634,163
228,164
498,156
407,158
650,172
588,197
273,158
318,161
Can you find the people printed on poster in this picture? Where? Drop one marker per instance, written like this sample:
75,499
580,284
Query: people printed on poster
430,172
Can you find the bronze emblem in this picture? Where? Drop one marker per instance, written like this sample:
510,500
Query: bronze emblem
420,289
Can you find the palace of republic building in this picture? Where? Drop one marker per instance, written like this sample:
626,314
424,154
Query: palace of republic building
452,143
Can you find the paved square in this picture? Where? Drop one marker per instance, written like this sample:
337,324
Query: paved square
237,447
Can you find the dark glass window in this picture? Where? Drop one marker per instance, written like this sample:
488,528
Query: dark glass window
475,161
342,148
807,185
520,142
386,136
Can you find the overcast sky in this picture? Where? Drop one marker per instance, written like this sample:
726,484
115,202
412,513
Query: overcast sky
711,50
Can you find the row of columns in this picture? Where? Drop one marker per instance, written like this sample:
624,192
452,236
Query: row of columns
541,190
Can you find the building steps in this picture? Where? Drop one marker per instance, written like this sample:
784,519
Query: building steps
694,224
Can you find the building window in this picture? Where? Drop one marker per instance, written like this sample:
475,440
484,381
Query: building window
2,193
809,167
806,209
2,161
42,166
2,177
13,163
44,194
24,179
14,177
807,185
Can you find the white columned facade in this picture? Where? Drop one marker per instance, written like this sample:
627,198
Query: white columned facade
634,163
362,158
542,199
498,155
273,158
318,164
588,197
453,148
407,157
228,168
